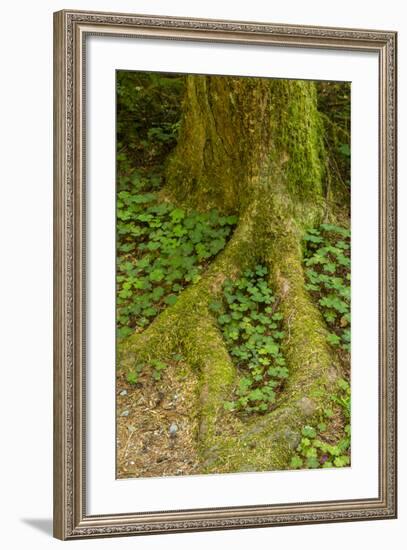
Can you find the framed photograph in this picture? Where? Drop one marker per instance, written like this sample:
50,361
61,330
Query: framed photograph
225,274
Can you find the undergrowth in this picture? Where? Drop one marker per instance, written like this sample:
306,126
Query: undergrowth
161,249
251,326
327,270
315,450
155,368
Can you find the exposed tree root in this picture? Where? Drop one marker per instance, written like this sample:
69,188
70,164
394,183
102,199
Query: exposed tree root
267,442
226,442
189,327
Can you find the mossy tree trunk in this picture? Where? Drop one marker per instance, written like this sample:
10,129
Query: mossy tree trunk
252,147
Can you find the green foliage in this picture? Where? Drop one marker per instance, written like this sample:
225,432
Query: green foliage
342,398
133,375
148,115
334,105
158,367
155,367
161,249
327,261
251,326
315,450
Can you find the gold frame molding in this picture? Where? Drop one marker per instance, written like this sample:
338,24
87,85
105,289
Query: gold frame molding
70,31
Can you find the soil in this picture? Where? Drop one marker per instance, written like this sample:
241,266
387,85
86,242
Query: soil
157,425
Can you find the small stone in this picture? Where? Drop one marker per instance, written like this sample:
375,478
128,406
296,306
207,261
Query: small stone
125,413
293,439
332,375
173,429
132,462
247,468
123,392
306,406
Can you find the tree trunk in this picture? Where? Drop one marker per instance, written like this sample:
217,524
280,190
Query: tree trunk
251,147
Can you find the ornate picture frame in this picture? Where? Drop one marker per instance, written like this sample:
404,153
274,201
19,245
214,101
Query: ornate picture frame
71,518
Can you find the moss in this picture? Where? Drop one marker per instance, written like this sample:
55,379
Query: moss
205,351
298,150
263,444
201,169
226,153
306,341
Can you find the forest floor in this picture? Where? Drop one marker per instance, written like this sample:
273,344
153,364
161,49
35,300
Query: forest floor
157,426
